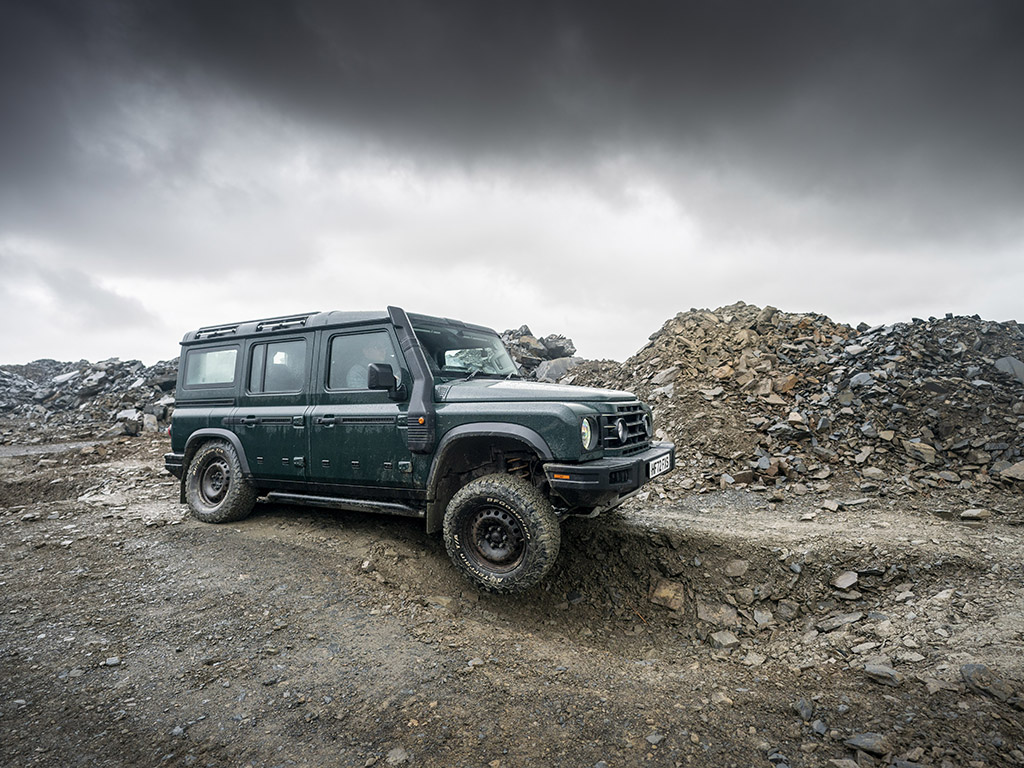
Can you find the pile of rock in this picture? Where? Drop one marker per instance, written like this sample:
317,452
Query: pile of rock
51,400
546,359
759,396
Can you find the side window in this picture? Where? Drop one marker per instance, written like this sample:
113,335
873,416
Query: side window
210,367
351,355
277,366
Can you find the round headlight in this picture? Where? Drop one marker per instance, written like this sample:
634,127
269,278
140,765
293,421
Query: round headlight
622,431
648,425
588,434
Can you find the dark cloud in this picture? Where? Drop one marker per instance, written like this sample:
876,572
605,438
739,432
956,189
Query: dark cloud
861,104
192,140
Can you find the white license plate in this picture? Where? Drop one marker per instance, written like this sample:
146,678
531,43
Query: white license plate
659,466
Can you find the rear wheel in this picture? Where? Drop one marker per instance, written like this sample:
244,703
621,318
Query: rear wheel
215,488
502,533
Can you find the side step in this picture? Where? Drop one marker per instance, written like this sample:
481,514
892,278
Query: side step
353,505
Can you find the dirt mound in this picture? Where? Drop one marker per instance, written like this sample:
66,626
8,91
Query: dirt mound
759,396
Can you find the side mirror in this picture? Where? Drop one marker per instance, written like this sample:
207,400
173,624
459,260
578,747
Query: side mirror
381,376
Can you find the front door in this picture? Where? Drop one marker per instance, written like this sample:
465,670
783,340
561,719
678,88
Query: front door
358,435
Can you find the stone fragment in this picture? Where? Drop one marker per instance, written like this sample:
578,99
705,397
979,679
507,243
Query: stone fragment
845,580
720,614
840,620
883,674
665,376
975,514
920,451
553,370
1016,472
736,568
981,678
724,639
804,708
872,743
669,594
1012,366
861,380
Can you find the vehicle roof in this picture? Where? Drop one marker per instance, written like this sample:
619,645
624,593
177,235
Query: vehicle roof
306,321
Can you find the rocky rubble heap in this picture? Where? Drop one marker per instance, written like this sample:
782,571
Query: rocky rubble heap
758,396
50,400
547,359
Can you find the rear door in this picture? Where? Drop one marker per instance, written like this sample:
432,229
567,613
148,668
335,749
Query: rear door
272,417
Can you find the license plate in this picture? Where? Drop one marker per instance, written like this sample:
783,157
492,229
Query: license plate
659,466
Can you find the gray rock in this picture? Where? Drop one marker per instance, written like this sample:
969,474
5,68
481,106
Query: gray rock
841,620
861,380
665,376
553,370
872,743
1012,366
655,738
804,708
397,756
883,674
975,514
845,580
736,568
920,451
1016,472
724,639
982,679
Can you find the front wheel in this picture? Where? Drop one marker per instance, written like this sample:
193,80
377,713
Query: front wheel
216,489
502,533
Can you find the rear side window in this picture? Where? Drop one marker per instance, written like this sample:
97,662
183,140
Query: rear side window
210,367
278,366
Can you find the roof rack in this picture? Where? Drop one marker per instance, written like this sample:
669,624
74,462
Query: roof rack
212,331
286,321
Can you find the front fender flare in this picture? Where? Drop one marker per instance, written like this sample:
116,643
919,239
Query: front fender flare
528,437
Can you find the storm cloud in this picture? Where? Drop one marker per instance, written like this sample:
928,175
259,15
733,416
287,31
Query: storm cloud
588,167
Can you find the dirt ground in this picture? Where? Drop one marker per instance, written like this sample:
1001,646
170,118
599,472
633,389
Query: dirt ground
720,629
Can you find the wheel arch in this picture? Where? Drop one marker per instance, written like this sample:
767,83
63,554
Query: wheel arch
196,440
460,450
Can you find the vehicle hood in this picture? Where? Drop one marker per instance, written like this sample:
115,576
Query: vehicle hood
491,390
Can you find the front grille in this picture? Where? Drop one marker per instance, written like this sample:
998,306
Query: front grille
633,415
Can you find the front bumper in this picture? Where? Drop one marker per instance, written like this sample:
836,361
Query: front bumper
604,482
173,463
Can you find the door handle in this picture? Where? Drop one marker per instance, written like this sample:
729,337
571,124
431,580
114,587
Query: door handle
249,421
326,421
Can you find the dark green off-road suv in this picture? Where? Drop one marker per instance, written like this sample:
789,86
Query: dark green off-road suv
408,415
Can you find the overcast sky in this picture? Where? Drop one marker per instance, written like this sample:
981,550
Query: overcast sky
588,168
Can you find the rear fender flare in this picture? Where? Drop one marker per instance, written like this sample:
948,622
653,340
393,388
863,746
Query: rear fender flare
200,436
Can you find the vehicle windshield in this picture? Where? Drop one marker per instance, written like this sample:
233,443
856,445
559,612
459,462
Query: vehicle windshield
455,352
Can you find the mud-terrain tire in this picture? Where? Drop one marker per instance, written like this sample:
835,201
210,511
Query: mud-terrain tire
501,533
215,488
